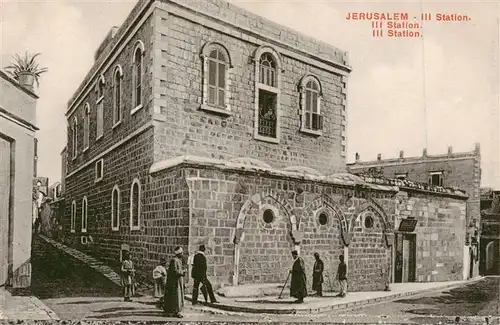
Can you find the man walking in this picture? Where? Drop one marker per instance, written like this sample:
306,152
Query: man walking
342,277
173,302
199,275
317,284
298,286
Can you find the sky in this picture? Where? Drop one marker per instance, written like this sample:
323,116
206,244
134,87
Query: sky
431,92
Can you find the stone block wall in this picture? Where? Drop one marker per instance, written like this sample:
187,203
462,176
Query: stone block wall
369,255
130,123
440,235
224,203
121,166
182,128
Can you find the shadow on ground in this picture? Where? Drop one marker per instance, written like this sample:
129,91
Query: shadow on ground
55,275
478,298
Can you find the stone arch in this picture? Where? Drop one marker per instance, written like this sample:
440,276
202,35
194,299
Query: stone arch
255,200
280,242
205,51
369,250
490,255
326,200
370,205
268,48
308,77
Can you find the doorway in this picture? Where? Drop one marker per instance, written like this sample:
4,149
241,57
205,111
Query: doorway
405,259
5,208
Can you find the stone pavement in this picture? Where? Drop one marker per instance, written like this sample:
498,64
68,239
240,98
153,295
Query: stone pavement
327,303
23,307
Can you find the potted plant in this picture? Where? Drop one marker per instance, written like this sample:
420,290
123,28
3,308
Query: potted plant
26,70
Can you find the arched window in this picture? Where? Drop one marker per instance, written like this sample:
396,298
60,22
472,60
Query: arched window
86,127
73,216
117,95
115,208
310,91
135,205
100,107
84,214
216,65
137,77
267,94
75,137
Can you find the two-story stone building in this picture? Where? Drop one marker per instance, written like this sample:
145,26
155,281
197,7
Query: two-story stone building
17,169
453,169
203,123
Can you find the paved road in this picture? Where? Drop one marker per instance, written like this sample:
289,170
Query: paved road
74,293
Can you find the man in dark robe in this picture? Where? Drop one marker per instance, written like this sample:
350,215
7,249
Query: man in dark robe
342,277
173,301
317,284
199,275
298,286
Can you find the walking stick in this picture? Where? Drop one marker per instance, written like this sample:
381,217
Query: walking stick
284,285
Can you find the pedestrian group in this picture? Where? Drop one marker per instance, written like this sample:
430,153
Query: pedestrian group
169,282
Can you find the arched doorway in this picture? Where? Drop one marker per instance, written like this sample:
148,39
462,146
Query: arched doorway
490,257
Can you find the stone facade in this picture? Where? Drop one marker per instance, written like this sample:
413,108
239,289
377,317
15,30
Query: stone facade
204,174
490,233
223,206
460,170
17,147
182,128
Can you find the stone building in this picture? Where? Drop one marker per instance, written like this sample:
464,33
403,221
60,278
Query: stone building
489,263
460,170
203,123
17,168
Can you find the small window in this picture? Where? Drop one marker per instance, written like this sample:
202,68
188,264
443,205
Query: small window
137,77
323,218
115,208
436,178
117,95
84,214
99,170
312,119
75,137
73,216
135,205
268,216
368,221
86,127
216,66
100,108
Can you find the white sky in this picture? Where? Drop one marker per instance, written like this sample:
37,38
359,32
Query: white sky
453,71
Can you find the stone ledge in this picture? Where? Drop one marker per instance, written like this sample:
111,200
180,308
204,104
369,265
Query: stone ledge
341,179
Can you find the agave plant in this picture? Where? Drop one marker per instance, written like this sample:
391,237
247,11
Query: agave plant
26,65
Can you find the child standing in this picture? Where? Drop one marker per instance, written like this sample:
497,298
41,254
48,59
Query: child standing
160,277
127,275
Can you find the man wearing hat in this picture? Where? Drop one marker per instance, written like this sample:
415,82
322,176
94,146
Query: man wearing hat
173,301
199,275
